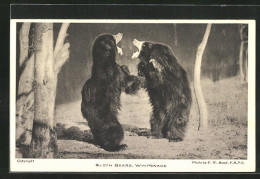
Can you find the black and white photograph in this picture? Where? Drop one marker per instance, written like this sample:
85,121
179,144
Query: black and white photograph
132,95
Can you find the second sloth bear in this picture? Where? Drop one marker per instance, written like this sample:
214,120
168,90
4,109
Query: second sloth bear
101,93
168,88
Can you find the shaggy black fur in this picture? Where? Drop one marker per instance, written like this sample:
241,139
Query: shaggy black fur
101,94
169,91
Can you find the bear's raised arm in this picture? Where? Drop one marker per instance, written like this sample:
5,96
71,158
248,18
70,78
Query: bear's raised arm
141,68
131,83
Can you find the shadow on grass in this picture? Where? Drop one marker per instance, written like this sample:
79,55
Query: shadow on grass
139,131
74,133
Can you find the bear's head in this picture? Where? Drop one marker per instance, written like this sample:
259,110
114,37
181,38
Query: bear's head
151,53
105,47
144,50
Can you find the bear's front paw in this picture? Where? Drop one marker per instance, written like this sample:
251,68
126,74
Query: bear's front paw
175,140
153,137
122,147
125,70
141,74
136,85
141,69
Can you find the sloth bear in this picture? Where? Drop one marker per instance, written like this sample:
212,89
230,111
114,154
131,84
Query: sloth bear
101,93
168,88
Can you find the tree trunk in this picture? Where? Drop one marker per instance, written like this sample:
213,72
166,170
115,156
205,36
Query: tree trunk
241,64
25,92
246,63
47,64
203,112
243,58
43,144
61,52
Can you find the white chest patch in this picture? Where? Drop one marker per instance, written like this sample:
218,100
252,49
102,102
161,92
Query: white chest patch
156,65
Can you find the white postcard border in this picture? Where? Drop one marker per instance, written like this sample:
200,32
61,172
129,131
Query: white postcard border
131,165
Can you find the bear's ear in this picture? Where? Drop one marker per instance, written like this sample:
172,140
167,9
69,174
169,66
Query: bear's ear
156,65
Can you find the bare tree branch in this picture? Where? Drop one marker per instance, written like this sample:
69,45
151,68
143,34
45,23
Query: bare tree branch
197,87
204,41
242,54
175,35
24,42
61,57
26,76
61,52
61,38
241,64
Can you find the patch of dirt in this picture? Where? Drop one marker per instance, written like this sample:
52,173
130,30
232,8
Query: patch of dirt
226,137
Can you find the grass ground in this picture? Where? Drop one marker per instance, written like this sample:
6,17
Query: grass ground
226,137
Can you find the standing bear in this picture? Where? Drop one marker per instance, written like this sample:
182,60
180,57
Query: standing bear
101,93
168,88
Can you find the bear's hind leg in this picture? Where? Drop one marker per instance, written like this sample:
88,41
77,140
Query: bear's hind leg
176,129
122,147
115,148
110,138
156,127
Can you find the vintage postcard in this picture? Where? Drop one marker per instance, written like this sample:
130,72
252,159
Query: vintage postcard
132,95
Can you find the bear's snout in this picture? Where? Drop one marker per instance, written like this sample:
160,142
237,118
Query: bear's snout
138,44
